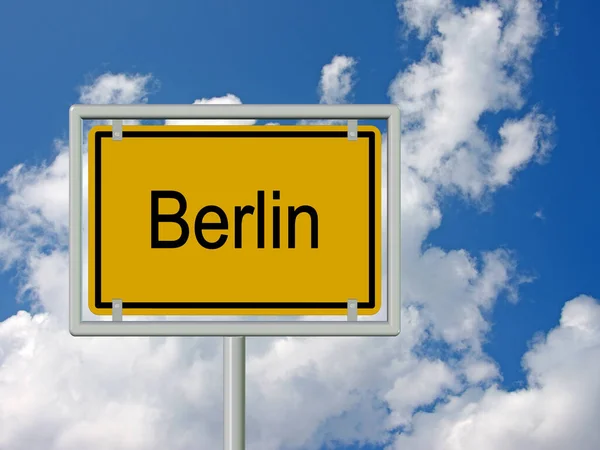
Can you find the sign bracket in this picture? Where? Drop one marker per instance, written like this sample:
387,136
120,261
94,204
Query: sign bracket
117,310
352,310
117,130
352,130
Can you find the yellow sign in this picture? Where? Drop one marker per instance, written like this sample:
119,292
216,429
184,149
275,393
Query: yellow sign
224,220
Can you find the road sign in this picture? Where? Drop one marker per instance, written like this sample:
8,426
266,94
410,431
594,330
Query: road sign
234,220
275,203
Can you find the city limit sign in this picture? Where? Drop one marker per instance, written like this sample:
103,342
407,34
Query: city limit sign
234,220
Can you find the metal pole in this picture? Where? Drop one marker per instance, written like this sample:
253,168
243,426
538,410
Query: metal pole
234,392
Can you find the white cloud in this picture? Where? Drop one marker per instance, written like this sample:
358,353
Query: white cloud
418,384
522,140
117,89
337,80
455,303
64,393
228,99
557,409
421,14
38,193
34,217
477,62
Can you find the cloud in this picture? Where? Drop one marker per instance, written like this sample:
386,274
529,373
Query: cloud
117,89
335,86
34,225
557,409
420,15
337,80
34,216
522,140
228,99
458,281
477,62
64,393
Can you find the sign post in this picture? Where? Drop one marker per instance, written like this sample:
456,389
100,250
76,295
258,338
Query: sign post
305,218
234,393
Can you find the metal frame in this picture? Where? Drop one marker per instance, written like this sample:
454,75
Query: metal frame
391,327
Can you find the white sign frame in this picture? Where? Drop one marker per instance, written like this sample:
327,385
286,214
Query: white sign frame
78,327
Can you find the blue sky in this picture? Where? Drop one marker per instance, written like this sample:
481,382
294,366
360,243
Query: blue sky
557,250
184,59
274,52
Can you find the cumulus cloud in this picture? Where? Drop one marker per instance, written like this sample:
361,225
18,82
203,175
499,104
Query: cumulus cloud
35,215
420,15
557,409
63,393
522,140
477,62
337,80
228,99
34,226
116,89
458,281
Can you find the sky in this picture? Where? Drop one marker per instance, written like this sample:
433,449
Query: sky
500,341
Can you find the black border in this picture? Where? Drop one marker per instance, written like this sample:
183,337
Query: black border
229,134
